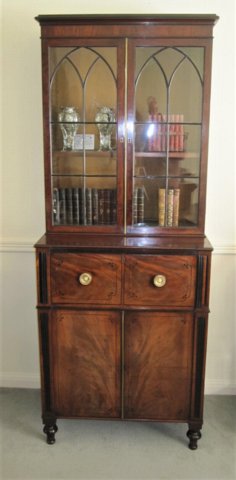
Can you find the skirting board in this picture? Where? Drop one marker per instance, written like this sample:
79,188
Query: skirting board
26,380
19,380
217,387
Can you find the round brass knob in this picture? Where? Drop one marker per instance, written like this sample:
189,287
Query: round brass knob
85,278
159,280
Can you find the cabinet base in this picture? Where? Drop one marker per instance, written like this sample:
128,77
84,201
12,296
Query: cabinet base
50,429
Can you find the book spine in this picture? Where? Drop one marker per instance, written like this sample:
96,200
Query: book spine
176,207
177,133
82,212
62,200
135,207
159,129
161,206
95,206
170,197
163,134
101,211
56,207
181,133
140,205
107,206
113,206
88,197
75,202
69,206
172,133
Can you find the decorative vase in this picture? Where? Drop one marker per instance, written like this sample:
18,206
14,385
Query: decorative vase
68,118
106,116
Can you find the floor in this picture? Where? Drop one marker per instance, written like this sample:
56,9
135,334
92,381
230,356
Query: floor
109,450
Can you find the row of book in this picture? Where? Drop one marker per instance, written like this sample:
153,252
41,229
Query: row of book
138,205
168,206
84,206
166,131
97,206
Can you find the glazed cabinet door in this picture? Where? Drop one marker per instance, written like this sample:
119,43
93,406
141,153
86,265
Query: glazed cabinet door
158,365
85,363
83,134
167,109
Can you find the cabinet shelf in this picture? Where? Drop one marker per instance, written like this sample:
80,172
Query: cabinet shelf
172,155
81,175
88,153
155,177
82,123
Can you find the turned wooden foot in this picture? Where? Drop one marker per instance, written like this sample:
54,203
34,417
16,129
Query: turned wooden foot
50,427
50,431
194,436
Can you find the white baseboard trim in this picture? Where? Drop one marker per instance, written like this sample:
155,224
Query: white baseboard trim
219,387
31,380
19,380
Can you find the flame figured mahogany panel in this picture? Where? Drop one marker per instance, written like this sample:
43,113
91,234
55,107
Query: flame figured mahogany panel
158,357
86,363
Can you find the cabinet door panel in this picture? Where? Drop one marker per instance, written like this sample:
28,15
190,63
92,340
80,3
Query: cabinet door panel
86,363
158,352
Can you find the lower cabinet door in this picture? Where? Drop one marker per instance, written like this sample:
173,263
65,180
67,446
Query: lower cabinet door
85,363
158,365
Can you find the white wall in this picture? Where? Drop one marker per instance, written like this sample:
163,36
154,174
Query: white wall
22,181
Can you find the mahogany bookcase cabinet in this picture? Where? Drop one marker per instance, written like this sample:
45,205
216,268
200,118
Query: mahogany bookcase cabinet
123,270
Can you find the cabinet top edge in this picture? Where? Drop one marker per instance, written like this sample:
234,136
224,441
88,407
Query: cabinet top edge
126,19
123,244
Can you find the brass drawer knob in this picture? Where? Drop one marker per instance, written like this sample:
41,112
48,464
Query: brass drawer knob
159,280
85,278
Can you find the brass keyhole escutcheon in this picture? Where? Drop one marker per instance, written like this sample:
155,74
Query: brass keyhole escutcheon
159,280
85,278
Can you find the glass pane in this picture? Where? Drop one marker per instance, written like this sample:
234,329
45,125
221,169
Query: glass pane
156,203
178,203
186,92
79,200
150,80
166,160
84,78
145,201
83,135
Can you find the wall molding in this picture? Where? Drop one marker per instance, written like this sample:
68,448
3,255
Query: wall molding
17,246
224,250
27,246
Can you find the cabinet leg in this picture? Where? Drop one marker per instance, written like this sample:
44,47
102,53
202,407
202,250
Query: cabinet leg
50,427
50,431
194,435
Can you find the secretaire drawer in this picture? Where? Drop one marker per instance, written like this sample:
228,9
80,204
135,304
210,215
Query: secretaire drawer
161,280
85,278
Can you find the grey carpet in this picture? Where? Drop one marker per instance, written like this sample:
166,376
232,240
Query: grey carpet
107,450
